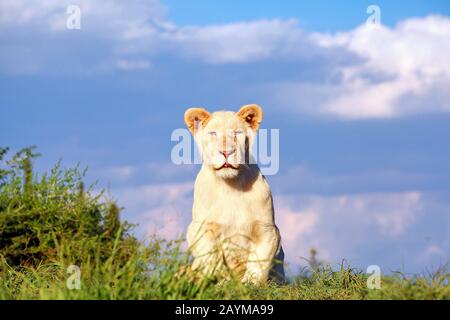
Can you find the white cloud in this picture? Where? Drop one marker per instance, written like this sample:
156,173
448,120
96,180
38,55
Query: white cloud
374,72
238,42
410,60
294,227
166,221
141,28
394,71
161,208
111,33
395,219
431,252
338,225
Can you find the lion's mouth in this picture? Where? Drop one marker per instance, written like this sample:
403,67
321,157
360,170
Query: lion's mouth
227,165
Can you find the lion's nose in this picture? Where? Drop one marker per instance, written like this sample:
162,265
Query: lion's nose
226,154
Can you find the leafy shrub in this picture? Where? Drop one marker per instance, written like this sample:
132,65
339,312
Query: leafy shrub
44,218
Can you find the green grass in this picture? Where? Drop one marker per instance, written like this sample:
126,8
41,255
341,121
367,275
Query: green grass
51,222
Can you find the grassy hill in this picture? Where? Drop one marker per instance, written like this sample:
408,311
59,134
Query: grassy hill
54,232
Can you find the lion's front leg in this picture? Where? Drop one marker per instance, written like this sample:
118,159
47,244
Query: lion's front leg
202,239
262,255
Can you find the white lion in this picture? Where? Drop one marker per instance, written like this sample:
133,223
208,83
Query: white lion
233,221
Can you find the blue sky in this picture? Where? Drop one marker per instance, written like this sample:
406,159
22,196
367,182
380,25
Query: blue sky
319,15
363,111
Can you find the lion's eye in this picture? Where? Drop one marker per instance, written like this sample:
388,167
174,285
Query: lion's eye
212,133
238,132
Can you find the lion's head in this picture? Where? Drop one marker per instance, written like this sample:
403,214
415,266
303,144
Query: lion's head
224,137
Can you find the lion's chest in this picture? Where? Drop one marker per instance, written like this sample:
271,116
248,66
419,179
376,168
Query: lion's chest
228,207
230,214
233,217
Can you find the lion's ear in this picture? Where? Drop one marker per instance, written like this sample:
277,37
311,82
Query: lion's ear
252,114
196,117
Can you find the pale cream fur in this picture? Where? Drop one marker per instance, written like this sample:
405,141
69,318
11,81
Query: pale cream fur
233,220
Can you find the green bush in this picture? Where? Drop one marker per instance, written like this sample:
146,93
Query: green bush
39,216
